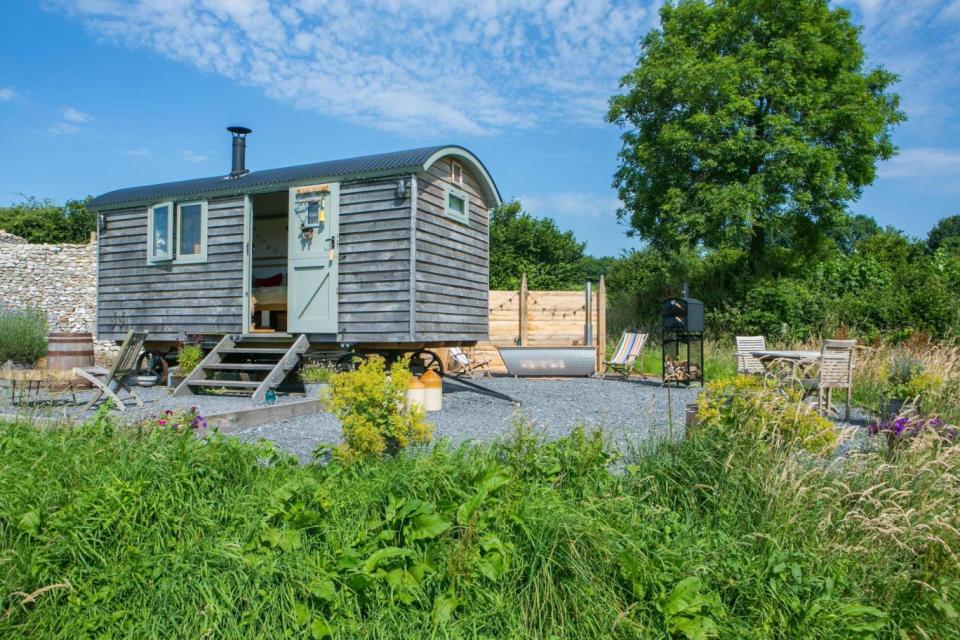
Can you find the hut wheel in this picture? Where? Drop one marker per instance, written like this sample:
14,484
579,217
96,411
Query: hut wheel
349,361
425,360
152,363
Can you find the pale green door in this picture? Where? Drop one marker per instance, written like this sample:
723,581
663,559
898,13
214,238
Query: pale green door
312,260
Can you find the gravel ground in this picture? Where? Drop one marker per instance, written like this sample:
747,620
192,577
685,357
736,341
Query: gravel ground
155,401
628,411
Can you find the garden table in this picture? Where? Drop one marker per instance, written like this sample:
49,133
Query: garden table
791,356
34,379
791,368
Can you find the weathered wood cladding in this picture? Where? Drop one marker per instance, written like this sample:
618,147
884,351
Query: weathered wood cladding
452,260
169,299
374,268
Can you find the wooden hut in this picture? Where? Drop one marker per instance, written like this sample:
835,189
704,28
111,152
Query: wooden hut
387,251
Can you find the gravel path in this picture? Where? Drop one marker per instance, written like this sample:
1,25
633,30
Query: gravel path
628,411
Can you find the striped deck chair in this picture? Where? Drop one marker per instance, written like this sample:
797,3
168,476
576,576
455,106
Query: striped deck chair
111,382
628,351
462,364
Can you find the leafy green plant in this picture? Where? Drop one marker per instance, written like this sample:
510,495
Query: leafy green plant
317,373
189,357
687,610
370,404
907,378
151,532
23,334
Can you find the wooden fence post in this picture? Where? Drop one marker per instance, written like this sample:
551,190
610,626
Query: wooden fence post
601,323
523,310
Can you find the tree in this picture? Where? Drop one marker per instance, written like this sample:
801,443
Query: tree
521,243
945,233
43,221
745,116
851,230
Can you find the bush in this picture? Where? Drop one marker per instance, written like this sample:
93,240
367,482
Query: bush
43,221
317,373
371,406
189,357
23,335
749,405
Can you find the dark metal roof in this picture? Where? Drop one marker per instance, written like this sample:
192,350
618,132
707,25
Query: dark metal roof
379,164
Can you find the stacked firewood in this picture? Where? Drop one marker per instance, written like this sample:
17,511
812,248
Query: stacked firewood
680,371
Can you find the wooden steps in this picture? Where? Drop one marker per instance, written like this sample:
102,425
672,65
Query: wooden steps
246,364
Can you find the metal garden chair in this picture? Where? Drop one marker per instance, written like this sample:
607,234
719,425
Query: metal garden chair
464,365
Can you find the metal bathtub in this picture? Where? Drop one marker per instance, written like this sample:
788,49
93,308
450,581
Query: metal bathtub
549,361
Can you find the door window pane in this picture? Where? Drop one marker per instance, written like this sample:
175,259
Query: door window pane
190,222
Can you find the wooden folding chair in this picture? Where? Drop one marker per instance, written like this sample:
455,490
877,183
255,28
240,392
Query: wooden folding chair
114,380
625,357
467,366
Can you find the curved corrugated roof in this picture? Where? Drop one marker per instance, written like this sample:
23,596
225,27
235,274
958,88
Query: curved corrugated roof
410,160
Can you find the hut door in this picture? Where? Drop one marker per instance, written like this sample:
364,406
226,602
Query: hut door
312,259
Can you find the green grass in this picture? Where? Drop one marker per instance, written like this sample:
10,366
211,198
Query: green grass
719,361
114,532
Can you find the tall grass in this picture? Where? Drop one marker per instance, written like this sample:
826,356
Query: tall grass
108,532
23,335
939,363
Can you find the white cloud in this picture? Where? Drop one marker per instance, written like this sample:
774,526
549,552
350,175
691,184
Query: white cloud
70,122
193,156
61,128
72,115
923,162
920,41
408,65
7,94
571,205
141,152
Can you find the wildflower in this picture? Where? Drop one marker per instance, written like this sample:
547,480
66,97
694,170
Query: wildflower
161,422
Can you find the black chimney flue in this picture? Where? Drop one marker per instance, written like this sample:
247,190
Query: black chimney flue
239,151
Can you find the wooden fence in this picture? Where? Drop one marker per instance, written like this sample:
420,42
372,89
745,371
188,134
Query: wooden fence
543,318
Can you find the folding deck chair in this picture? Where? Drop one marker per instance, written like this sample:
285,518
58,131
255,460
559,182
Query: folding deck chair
110,382
628,351
466,366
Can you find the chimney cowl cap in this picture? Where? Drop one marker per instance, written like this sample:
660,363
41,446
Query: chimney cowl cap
239,131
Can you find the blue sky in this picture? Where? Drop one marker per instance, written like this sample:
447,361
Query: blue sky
102,94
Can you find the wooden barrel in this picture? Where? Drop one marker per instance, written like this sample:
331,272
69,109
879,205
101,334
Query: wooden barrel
68,350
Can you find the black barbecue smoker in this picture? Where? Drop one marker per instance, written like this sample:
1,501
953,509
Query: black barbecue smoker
681,324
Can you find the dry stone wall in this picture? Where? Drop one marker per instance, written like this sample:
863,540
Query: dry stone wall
61,279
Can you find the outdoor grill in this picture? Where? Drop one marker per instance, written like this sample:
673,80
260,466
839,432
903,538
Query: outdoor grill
681,324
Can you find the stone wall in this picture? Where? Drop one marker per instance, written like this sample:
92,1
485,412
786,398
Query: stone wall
61,279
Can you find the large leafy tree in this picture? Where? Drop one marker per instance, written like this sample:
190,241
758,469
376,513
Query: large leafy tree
747,116
521,243
945,233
